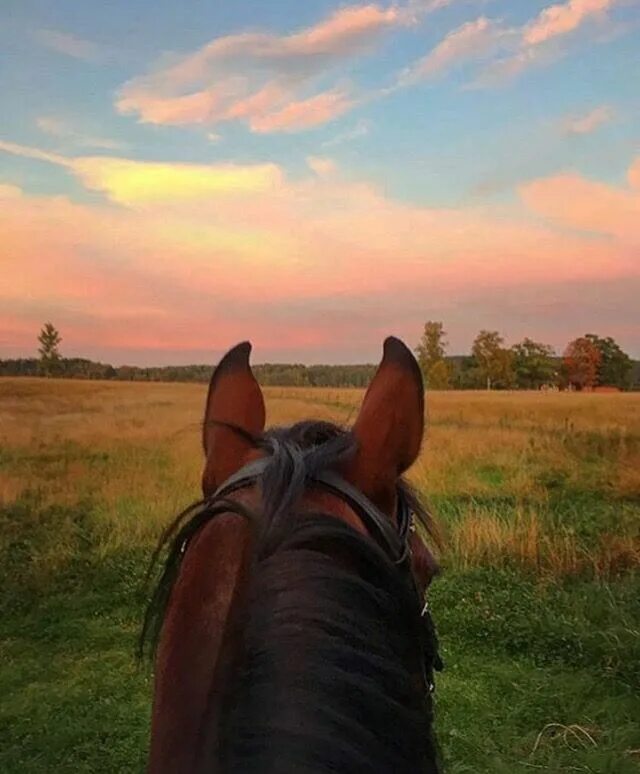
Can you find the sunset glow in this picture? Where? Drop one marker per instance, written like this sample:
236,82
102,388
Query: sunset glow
316,176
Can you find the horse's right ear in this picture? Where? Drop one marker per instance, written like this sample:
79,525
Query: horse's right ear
389,427
234,414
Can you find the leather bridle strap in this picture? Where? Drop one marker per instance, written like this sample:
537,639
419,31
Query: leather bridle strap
246,476
393,542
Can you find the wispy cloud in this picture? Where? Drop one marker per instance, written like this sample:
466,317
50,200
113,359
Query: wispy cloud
469,42
304,114
15,149
585,123
267,80
513,63
541,40
360,129
69,45
282,83
563,18
142,183
56,127
502,52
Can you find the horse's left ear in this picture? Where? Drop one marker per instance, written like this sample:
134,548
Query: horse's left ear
389,427
234,414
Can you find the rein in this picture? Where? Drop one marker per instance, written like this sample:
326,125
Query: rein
394,542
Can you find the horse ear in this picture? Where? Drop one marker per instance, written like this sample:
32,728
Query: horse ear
234,401
389,427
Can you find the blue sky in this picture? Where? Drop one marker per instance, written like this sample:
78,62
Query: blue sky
501,129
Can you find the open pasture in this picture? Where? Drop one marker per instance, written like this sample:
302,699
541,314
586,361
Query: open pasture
538,499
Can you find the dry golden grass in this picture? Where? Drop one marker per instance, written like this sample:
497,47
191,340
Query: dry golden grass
491,540
493,464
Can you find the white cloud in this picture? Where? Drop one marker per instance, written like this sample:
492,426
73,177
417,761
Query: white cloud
360,129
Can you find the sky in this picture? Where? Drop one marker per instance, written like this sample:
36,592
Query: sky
178,177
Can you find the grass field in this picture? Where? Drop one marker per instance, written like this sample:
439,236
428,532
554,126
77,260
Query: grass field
538,605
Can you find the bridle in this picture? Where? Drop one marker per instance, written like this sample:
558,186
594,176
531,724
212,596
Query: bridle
394,541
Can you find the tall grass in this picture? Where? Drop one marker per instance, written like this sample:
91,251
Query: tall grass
514,477
523,541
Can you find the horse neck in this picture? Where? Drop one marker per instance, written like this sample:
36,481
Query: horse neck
323,682
196,647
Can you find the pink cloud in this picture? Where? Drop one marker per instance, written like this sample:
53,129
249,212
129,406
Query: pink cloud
540,41
345,31
561,19
576,202
634,174
323,167
197,108
505,52
469,42
270,98
319,109
341,35
297,264
265,79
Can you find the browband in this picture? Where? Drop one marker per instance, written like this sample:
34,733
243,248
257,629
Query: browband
393,541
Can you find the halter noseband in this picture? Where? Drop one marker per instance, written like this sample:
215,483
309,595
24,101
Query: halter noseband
393,541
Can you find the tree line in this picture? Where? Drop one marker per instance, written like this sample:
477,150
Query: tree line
587,362
268,374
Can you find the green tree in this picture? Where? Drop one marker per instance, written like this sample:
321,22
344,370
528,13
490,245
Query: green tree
439,376
533,364
50,340
493,362
615,365
431,356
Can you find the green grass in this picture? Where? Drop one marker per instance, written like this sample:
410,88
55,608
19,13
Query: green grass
519,656
542,657
74,698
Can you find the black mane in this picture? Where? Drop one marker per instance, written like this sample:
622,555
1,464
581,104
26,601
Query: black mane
326,677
